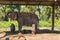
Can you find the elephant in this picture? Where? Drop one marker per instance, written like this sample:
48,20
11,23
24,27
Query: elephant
24,18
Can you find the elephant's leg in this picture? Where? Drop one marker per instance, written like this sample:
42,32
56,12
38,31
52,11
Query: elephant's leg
34,29
20,27
12,27
34,26
20,23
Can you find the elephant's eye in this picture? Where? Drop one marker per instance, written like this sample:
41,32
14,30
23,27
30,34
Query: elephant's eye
13,15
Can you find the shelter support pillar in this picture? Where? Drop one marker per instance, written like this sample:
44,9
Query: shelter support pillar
52,18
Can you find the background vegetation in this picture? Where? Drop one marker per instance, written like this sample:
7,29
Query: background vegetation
43,13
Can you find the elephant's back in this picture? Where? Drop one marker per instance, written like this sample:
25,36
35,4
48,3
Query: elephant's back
28,18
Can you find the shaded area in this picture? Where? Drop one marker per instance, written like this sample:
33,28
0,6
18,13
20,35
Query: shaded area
47,31
39,31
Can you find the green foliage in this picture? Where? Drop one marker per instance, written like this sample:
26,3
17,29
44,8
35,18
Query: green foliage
25,9
6,18
4,24
44,14
57,23
44,23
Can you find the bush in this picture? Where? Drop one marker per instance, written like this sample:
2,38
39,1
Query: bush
44,24
6,24
57,23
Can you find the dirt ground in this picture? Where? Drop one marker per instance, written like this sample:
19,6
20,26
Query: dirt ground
36,37
42,34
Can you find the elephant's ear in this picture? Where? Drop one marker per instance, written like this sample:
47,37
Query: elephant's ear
9,14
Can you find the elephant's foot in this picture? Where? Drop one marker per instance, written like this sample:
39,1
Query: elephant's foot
33,29
19,33
12,28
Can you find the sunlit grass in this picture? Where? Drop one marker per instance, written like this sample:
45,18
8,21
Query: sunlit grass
6,24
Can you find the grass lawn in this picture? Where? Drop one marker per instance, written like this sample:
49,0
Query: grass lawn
6,24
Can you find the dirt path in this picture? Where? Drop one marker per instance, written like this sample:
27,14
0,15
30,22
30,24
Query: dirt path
42,35
36,37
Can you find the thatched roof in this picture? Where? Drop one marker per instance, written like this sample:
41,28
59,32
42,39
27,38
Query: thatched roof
31,2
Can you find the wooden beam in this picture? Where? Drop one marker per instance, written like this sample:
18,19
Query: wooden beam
26,2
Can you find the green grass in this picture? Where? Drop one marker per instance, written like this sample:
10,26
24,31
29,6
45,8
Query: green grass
44,23
6,24
49,23
57,23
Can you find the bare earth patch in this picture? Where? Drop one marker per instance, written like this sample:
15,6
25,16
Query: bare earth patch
39,36
36,37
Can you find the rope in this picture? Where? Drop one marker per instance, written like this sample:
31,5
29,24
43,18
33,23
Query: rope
20,35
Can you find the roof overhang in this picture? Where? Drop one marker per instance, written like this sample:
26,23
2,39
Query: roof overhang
30,2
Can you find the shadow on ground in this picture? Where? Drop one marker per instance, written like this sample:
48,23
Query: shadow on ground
39,31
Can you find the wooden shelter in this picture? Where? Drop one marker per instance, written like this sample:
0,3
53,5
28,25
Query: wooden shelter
31,2
34,2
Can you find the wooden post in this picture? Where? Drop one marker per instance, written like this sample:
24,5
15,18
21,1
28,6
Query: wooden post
52,17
